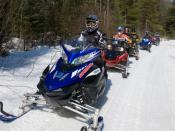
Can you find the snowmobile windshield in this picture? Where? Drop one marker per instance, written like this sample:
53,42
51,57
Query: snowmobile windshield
78,45
74,47
119,42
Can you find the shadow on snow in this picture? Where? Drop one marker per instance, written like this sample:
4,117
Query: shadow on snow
21,59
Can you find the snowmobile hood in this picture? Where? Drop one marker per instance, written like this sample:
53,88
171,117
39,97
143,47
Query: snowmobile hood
145,42
73,68
62,75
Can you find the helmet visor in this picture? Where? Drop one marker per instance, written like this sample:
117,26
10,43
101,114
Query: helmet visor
91,24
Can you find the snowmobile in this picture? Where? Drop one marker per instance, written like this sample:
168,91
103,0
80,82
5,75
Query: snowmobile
146,44
116,56
133,49
153,40
75,82
157,39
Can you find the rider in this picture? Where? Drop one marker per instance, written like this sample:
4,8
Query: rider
147,35
135,39
91,33
126,31
157,35
134,36
120,35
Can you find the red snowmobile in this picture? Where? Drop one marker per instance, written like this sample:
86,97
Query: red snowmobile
116,56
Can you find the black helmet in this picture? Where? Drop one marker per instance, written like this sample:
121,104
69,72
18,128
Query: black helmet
92,22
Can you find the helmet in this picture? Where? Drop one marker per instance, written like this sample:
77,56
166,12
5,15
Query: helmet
147,32
120,29
92,23
126,29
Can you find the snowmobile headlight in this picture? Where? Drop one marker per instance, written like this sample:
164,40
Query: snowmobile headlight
121,49
115,42
146,40
82,59
77,61
109,47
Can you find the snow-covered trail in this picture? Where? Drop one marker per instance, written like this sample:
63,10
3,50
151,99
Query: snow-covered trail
143,102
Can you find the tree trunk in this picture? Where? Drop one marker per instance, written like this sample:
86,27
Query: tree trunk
107,21
4,12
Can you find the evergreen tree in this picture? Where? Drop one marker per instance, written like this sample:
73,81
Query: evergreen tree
170,22
31,18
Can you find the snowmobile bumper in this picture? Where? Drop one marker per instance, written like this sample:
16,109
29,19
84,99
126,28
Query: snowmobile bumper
58,97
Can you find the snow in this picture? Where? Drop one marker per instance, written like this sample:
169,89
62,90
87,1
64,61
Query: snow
145,101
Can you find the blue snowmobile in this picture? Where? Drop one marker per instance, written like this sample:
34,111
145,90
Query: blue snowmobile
75,82
146,44
81,75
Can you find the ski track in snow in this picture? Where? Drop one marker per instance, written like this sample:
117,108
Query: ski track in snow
145,101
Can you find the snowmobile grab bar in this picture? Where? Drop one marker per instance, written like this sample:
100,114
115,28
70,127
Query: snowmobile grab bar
85,106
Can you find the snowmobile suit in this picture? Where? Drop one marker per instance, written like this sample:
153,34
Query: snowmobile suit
123,36
95,37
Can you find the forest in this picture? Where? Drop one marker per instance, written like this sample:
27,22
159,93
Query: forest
33,19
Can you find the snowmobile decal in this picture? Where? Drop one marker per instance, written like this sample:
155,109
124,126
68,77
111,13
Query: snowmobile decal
95,72
85,70
64,76
77,72
60,75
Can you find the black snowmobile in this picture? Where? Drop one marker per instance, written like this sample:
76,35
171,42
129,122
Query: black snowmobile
133,49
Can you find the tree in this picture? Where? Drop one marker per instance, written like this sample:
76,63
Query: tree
4,11
170,21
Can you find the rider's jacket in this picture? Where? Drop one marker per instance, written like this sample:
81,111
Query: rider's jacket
95,37
123,36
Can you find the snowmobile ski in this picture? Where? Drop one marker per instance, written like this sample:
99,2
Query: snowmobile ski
99,127
6,117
